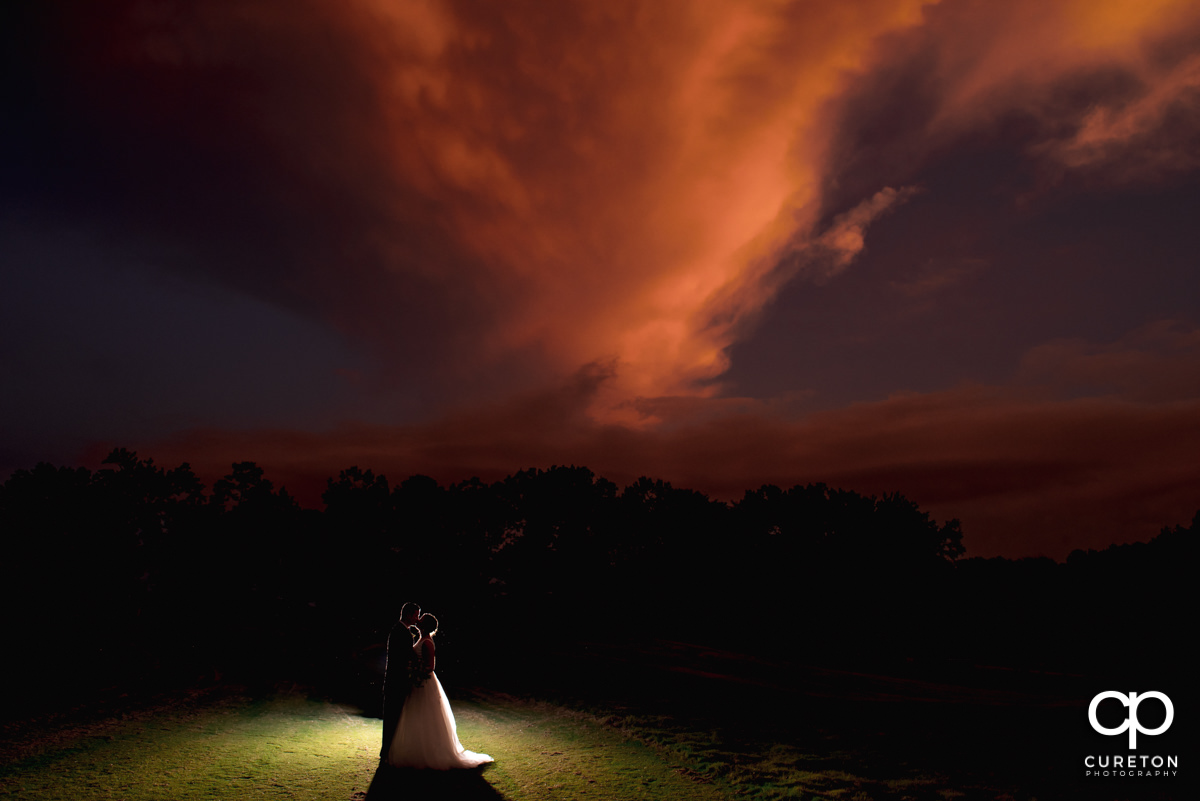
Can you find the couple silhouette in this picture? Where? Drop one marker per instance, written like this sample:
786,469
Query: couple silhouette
419,730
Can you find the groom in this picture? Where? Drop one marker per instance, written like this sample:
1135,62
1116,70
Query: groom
397,672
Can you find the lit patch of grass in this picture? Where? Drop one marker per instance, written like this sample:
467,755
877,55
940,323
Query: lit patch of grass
286,748
296,748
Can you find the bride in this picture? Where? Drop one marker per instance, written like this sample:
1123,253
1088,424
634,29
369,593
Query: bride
426,736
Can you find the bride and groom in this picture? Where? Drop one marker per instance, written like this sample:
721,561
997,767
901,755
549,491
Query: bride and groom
418,726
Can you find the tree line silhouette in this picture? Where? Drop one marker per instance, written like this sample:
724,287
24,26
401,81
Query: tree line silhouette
135,570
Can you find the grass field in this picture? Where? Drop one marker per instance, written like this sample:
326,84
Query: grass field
235,747
228,745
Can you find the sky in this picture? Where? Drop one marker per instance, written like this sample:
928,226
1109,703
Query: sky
943,248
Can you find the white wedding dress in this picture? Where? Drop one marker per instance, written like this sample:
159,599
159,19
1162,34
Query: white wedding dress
427,736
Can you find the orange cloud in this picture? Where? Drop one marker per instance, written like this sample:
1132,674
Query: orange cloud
1149,135
507,192
1030,56
626,176
635,183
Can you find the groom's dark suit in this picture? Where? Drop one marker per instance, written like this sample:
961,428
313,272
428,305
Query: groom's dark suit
397,680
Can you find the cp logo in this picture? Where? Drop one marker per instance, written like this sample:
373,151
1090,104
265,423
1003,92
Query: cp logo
1131,723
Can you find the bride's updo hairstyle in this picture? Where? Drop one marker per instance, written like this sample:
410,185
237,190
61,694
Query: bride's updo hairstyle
428,624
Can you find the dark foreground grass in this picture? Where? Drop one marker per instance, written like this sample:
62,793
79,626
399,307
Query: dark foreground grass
755,766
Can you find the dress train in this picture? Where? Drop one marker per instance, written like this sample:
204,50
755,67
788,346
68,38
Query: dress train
427,735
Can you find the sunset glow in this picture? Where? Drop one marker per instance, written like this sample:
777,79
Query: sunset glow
937,247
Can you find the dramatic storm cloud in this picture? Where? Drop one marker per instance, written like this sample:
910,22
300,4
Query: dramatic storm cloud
943,248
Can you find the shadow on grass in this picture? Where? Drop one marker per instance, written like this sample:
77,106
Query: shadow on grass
397,784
